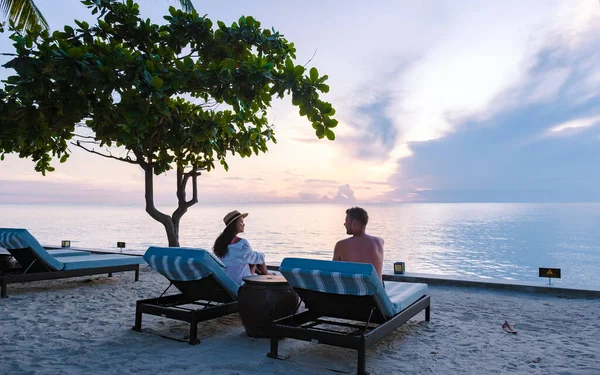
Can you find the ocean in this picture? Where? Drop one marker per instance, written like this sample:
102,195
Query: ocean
491,241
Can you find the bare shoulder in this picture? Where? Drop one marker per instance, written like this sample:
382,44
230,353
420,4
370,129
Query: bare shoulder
379,240
343,242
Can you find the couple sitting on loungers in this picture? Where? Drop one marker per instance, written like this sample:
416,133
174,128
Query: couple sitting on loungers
241,260
347,294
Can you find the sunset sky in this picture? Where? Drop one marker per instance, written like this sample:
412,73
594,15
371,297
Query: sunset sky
437,101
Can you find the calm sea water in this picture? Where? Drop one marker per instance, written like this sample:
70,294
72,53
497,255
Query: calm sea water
492,241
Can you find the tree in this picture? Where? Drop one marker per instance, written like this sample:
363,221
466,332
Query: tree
182,95
25,14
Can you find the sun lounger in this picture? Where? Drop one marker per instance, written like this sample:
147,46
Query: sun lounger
346,305
38,263
206,290
57,253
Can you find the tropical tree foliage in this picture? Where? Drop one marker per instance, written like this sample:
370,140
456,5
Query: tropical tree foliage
25,14
181,95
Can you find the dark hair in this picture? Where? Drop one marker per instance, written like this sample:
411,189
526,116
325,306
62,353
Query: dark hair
220,248
358,214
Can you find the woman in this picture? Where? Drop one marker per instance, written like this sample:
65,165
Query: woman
235,252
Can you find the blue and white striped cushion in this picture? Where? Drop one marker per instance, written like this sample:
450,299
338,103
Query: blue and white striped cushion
359,279
189,264
17,238
330,282
177,268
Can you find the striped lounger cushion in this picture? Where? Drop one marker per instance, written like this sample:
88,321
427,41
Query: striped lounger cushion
348,278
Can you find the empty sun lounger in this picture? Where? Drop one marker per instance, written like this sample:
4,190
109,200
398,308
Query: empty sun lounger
206,290
57,253
38,263
349,297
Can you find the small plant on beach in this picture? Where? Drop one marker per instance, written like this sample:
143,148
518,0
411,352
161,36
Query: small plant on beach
183,95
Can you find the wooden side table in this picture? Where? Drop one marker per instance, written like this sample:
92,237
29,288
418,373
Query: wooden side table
262,299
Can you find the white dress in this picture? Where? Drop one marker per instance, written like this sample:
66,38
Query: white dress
238,258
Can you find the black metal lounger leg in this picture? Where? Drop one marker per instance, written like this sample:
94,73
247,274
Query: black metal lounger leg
137,273
110,274
138,319
194,333
274,347
362,365
427,313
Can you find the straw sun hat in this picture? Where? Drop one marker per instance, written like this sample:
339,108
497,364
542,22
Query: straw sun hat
232,217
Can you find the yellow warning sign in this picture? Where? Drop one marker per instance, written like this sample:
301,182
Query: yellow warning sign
550,272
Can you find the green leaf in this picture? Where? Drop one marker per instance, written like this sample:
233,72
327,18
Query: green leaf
149,66
330,123
320,131
230,64
289,65
314,75
329,134
323,88
74,52
299,70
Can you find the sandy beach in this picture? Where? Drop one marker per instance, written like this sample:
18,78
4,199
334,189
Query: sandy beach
83,325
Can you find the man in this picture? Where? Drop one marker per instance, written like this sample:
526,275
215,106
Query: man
360,247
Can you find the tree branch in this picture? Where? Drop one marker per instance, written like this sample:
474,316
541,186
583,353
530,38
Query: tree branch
109,156
311,58
84,136
194,199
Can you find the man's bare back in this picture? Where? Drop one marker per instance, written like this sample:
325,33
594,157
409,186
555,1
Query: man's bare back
363,249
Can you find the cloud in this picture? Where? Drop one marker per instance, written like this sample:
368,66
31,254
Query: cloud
308,197
306,140
344,194
576,124
497,147
549,84
321,182
376,182
40,192
374,133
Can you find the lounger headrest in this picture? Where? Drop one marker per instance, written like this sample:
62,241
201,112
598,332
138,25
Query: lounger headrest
358,279
18,238
187,264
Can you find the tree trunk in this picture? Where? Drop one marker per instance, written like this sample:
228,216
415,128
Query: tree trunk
182,204
169,224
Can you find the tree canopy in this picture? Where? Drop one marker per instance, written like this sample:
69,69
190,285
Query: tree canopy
25,14
180,95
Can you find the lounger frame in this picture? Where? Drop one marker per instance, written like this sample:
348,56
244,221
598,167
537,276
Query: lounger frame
352,310
38,271
205,300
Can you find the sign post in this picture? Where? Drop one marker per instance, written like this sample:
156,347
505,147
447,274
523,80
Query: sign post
550,273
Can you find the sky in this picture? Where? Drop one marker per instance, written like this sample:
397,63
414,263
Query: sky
437,101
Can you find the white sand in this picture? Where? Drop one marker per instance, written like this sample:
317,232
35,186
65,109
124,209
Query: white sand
83,325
